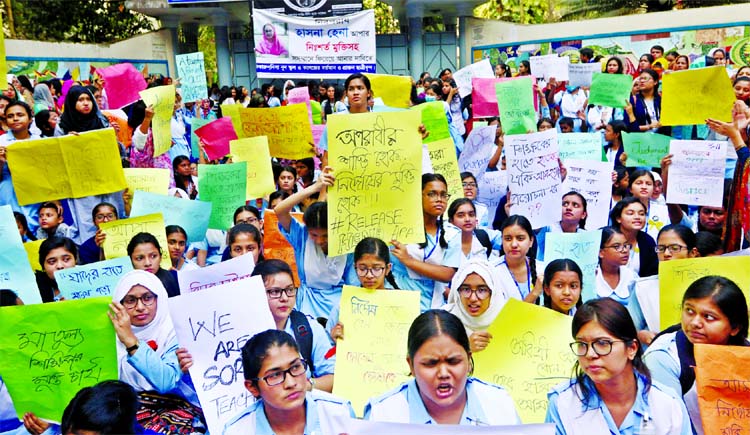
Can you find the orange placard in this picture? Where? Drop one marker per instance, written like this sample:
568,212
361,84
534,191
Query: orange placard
722,376
275,244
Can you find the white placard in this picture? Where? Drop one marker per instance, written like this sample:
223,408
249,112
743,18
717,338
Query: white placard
534,176
481,69
213,325
696,176
236,269
337,424
593,180
580,74
550,65
477,150
492,187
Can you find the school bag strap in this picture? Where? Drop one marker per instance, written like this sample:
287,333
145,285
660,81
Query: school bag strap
685,355
303,335
484,239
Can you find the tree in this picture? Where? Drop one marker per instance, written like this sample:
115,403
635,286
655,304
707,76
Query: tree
516,11
384,20
571,10
88,21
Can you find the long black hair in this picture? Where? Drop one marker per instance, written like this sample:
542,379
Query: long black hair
428,178
378,248
524,223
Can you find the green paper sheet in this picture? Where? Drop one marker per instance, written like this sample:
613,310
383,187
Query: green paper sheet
434,121
224,187
645,149
610,90
515,101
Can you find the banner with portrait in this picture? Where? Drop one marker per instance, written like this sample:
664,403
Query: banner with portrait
297,47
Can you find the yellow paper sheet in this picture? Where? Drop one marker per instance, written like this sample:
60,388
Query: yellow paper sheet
377,161
152,180
3,64
32,250
675,277
528,355
394,90
120,232
287,128
254,151
162,98
66,167
233,112
722,377
371,358
444,162
692,96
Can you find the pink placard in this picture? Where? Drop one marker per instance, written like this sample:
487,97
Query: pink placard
216,136
317,131
300,95
122,83
484,98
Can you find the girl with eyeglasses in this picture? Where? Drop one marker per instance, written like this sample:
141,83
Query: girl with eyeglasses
612,391
613,276
429,266
476,300
675,242
443,390
91,250
372,266
714,311
318,352
146,340
274,373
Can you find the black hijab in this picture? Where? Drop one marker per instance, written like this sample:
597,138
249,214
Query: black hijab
72,120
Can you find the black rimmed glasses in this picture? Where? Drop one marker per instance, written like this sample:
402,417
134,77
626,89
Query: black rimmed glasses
278,377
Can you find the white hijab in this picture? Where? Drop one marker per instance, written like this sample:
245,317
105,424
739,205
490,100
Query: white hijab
160,330
497,300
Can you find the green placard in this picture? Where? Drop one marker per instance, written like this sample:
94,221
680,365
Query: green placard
48,352
434,120
515,101
224,187
610,90
645,149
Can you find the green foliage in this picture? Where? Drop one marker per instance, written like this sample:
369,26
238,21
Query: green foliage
515,11
384,20
87,21
207,44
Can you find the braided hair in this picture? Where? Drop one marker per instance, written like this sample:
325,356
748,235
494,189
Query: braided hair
428,178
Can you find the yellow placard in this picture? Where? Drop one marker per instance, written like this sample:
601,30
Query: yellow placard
233,112
393,90
371,358
254,151
692,96
377,161
528,355
3,65
445,163
32,250
120,232
152,180
162,98
287,128
66,167
675,276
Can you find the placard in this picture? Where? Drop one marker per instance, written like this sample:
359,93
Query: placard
696,175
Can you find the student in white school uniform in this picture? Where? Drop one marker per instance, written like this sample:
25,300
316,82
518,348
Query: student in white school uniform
613,277
285,401
474,242
443,390
573,220
612,392
516,270
471,190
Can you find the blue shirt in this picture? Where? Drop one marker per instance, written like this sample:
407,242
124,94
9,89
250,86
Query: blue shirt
321,345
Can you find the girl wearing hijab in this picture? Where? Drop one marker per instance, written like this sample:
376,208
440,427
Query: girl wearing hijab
80,113
43,99
269,44
476,300
146,340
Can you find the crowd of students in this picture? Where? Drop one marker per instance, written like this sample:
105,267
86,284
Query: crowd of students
630,377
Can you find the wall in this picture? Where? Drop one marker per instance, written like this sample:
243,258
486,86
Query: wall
692,31
152,51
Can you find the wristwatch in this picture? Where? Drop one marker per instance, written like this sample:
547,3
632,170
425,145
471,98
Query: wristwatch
131,348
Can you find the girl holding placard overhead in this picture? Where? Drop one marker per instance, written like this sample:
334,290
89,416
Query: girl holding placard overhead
321,277
275,374
429,266
612,392
714,311
443,390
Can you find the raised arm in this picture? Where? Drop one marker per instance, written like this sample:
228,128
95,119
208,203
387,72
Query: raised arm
284,208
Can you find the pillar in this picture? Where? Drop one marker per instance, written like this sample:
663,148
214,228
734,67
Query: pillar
415,13
190,33
464,55
172,22
223,60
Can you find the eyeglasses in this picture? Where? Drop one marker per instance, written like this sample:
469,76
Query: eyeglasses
130,302
375,271
250,221
674,248
278,377
442,195
602,347
482,292
620,247
275,292
101,217
471,185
